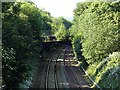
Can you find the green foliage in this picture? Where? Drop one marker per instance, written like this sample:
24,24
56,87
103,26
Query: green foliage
100,39
77,45
60,34
106,73
110,79
46,23
60,23
8,65
22,30
80,9
98,24
60,28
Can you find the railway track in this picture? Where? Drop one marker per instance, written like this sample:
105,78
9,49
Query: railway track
57,71
51,78
68,72
74,71
46,75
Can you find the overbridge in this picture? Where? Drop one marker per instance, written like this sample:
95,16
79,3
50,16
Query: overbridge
47,45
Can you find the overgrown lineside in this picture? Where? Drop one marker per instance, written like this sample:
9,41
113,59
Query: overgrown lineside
23,25
94,33
96,40
24,29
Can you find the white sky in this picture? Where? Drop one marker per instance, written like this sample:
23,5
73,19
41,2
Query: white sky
58,8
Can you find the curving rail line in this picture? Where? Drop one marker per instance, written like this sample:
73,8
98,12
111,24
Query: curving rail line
68,71
48,70
55,73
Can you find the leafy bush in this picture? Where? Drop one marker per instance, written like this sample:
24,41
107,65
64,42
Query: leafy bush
108,76
77,45
106,73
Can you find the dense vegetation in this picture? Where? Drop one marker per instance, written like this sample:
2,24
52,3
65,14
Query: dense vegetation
94,34
24,26
97,36
60,28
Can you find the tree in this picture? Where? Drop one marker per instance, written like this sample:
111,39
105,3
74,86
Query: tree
22,30
60,28
99,27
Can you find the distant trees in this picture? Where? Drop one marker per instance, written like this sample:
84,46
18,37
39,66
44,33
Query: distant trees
60,28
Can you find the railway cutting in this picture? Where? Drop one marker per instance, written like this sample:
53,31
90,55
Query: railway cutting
59,70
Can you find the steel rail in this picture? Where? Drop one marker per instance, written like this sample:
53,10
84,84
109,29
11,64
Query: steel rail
74,77
55,75
91,79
